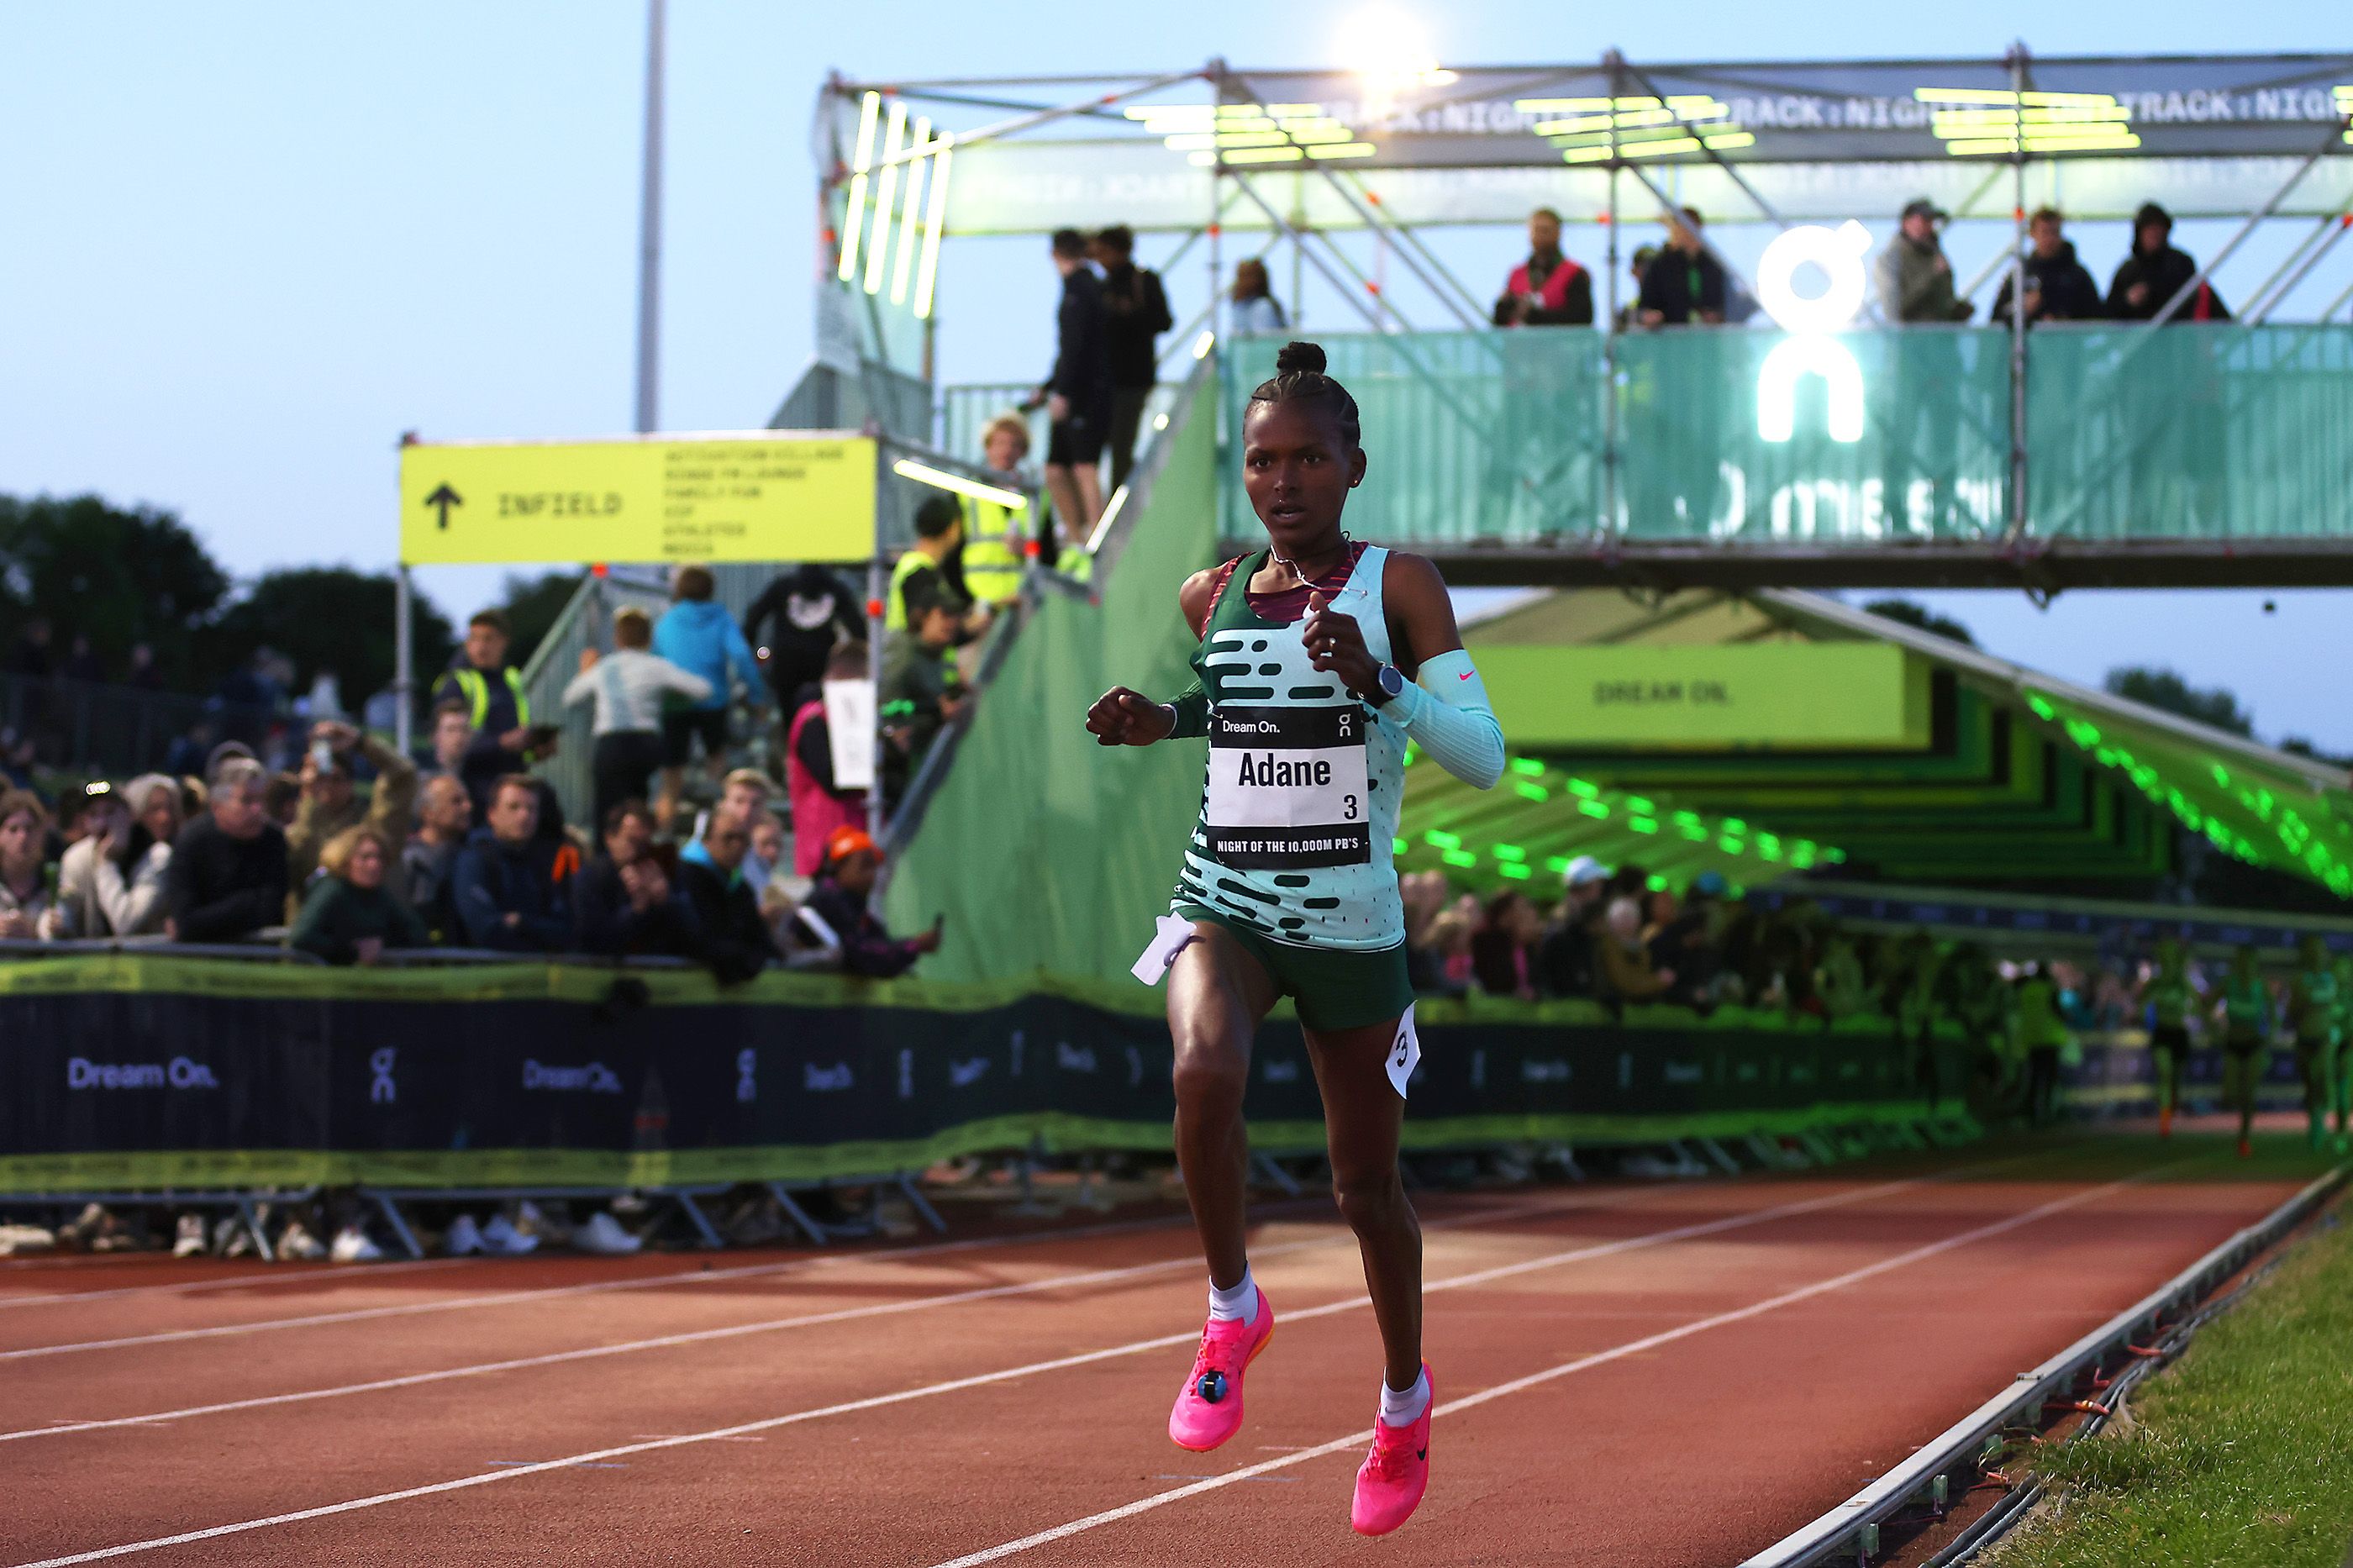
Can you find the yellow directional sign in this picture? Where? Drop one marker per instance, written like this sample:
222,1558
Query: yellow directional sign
711,498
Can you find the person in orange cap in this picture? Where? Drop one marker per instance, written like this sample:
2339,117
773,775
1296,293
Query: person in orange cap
836,914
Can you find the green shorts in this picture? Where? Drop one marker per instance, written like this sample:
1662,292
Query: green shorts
1333,988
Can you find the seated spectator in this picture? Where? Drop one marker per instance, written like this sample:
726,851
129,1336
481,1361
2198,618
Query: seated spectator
2147,279
2057,287
698,636
1684,282
112,883
625,902
743,800
818,806
227,876
453,733
922,690
1565,955
628,690
26,892
1503,948
1250,304
445,816
1548,289
331,802
1915,281
349,916
1625,969
835,914
735,940
505,885
281,798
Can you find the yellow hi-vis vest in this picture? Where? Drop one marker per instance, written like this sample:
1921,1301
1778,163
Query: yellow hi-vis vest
996,552
478,692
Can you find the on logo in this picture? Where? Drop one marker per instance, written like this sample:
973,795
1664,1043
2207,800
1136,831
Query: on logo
1810,349
383,1092
748,1088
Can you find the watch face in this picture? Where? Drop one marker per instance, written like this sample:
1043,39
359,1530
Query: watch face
1392,680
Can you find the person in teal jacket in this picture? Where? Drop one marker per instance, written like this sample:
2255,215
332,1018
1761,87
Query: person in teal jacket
699,635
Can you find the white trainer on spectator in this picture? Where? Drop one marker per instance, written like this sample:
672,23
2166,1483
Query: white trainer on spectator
463,1238
191,1243
501,1237
605,1236
353,1246
230,1239
296,1242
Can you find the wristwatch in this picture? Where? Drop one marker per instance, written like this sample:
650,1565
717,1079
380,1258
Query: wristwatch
1391,681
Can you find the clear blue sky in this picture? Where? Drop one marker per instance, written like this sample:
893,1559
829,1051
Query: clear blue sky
247,245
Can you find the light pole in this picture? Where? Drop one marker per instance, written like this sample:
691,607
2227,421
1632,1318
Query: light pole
650,230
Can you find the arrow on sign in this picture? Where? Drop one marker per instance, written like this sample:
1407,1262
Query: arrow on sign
442,500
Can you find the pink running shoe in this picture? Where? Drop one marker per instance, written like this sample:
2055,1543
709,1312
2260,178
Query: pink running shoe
1395,1473
1209,1408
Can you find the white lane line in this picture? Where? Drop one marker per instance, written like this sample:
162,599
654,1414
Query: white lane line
341,1273
1355,1441
807,1319
690,1276
953,1385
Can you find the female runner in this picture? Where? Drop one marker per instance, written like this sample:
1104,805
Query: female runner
1310,652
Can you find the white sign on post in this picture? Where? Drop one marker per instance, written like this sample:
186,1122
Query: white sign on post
849,725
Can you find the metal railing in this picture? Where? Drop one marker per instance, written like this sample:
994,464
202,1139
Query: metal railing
89,729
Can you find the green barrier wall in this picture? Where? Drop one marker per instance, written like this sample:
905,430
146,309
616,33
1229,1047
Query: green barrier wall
1048,853
2196,431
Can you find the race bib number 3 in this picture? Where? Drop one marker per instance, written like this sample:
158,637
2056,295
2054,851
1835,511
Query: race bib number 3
1288,787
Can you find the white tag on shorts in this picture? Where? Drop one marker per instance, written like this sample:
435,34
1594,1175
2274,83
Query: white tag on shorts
1404,1053
1166,942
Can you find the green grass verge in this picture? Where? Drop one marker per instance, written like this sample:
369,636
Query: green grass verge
2242,1452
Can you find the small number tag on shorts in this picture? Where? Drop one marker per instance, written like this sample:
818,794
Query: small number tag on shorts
1167,944
1404,1053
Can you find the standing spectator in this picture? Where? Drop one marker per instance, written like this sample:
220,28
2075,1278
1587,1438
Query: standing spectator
836,917
1565,957
820,807
921,690
190,753
1915,281
2057,287
226,878
348,916
1250,304
112,883
2147,279
1078,394
26,891
999,543
445,816
330,800
734,935
1625,969
505,885
1684,282
700,638
813,609
1548,289
1630,314
453,735
1136,312
625,902
1504,946
627,690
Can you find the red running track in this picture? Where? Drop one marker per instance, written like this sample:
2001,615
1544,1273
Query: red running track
1663,1375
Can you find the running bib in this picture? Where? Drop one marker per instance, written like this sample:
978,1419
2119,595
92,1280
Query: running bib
1288,788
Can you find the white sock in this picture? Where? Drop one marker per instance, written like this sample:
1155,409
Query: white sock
1405,1409
1239,1303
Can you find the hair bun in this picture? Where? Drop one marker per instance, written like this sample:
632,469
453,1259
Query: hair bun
1299,356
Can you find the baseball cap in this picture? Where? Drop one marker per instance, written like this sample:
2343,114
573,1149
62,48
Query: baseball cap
1585,868
844,842
1921,206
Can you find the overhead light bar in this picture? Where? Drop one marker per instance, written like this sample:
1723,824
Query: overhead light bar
1977,123
2344,106
908,221
867,114
878,245
927,272
941,479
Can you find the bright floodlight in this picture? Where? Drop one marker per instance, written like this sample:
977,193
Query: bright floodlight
1389,49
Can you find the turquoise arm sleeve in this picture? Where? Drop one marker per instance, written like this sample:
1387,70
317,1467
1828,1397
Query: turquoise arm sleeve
1447,715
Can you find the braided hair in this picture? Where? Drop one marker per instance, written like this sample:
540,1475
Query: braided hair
1299,378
